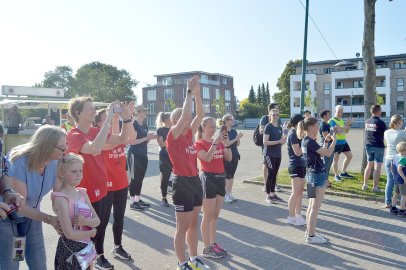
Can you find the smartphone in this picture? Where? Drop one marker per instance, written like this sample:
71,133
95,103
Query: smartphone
224,129
117,109
286,131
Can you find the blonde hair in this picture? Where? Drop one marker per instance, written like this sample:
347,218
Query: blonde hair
401,147
203,124
175,115
40,147
161,118
304,125
395,120
76,105
68,159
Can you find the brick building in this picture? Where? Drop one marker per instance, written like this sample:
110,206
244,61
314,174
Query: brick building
173,87
336,82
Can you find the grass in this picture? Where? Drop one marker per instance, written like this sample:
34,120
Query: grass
352,186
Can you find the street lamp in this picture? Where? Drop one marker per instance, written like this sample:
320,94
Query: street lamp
304,60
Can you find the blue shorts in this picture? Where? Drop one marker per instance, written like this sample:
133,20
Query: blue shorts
375,153
319,178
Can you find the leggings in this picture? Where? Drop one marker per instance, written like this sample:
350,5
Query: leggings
117,200
273,164
101,208
138,167
165,167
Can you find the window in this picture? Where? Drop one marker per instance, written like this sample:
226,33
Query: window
206,106
178,81
328,70
358,84
227,95
151,107
383,83
340,85
217,93
400,103
326,88
167,81
228,107
311,71
400,83
151,95
168,94
206,93
296,102
224,80
204,78
167,107
193,106
327,103
400,65
151,121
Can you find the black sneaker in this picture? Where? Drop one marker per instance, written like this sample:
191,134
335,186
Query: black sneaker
164,202
346,175
402,213
394,211
143,204
120,253
103,264
136,206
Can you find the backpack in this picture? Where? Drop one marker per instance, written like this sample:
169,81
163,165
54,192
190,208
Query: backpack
258,137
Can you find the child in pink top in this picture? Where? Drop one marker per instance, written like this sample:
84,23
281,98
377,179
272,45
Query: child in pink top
77,217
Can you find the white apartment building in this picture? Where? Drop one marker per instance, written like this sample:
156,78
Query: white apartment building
335,82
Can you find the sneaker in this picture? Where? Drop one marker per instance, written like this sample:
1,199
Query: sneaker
227,199
316,234
143,204
337,178
264,189
291,220
120,253
376,189
169,190
212,252
215,245
232,197
164,202
300,220
316,240
394,211
273,199
136,206
103,264
388,206
364,187
346,175
402,213
184,267
197,264
278,188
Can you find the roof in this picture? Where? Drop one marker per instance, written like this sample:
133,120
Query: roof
192,72
377,58
27,103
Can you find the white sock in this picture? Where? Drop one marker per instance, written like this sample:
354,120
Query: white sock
192,259
132,199
180,264
137,198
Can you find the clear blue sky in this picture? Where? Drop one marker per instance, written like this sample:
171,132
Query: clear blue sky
250,40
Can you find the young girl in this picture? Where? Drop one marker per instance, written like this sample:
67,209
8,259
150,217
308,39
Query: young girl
212,154
399,177
164,124
75,212
316,172
297,171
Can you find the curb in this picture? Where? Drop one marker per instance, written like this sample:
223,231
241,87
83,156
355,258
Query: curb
328,192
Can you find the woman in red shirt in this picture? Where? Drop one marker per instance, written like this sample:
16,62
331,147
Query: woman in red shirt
187,188
212,154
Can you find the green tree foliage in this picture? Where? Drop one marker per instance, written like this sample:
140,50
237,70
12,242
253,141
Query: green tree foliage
251,96
250,110
171,104
220,106
259,95
267,93
282,97
264,101
379,99
60,77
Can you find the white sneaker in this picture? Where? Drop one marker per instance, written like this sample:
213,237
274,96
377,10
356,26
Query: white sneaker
316,240
300,220
231,197
227,199
291,220
321,235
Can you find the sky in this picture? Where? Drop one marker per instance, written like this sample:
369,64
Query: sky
249,40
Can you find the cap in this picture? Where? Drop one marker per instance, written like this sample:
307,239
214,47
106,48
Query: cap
295,119
140,108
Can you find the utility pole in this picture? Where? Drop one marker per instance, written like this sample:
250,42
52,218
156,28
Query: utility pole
304,61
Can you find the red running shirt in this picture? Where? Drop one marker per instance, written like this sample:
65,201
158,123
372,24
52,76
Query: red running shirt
114,160
216,165
182,154
94,171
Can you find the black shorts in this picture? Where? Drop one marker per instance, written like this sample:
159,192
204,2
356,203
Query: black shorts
213,185
230,167
297,171
187,193
340,148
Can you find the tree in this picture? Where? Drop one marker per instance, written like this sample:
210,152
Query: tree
368,54
250,110
220,106
282,97
251,96
379,99
259,95
264,102
171,104
60,77
267,93
103,82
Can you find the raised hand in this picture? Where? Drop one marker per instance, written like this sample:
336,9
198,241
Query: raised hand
126,113
194,85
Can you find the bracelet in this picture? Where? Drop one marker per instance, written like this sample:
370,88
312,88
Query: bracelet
127,121
9,190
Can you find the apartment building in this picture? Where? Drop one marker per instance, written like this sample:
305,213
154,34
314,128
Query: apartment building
171,89
335,82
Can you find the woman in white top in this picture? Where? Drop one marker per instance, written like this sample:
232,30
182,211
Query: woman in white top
392,137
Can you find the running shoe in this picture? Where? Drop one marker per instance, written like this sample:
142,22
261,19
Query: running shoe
232,197
212,252
394,211
300,220
364,187
291,220
215,245
143,204
316,240
184,267
346,175
264,189
316,234
376,189
164,202
278,188
227,199
103,264
273,199
120,253
197,264
337,178
136,206
402,213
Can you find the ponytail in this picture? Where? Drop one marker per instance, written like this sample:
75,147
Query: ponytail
300,132
158,121
204,122
200,133
304,125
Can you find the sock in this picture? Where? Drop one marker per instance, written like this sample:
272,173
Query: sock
180,264
193,258
132,199
137,198
297,215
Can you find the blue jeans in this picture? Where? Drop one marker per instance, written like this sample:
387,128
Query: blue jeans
319,179
389,181
34,246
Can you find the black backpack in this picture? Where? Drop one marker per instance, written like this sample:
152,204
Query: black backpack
258,137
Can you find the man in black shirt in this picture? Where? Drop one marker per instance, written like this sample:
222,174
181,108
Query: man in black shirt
375,147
